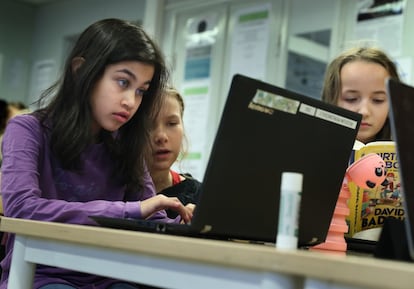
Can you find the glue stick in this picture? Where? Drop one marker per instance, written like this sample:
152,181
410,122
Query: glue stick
290,197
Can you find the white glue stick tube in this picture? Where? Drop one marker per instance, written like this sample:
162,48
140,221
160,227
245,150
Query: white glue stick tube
290,197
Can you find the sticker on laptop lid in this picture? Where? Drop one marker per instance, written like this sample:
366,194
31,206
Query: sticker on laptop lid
267,102
327,115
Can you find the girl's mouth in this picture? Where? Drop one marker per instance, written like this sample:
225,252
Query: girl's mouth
121,117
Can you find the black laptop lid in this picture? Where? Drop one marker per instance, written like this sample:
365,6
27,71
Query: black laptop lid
264,131
401,98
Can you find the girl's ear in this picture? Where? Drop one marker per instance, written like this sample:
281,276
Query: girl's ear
76,63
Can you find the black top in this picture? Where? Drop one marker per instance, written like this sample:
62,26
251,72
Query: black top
187,191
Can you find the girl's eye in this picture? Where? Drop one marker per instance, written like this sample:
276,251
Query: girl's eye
123,82
140,92
350,99
379,100
171,123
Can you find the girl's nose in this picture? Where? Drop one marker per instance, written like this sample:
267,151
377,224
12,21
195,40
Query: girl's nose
364,108
128,100
160,136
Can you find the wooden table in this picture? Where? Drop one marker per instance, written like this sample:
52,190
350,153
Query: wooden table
182,262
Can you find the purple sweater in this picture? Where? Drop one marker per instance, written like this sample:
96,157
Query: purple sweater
34,186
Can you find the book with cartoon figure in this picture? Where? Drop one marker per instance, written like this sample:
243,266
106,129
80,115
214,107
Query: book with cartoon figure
370,207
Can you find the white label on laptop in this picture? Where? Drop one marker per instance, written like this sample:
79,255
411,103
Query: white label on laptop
326,115
307,109
273,101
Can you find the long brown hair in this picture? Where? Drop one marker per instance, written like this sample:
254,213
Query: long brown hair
103,43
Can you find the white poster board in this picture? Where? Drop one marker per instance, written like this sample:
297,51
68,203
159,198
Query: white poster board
195,87
381,24
250,40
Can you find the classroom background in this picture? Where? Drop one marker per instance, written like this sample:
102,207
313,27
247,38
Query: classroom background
285,42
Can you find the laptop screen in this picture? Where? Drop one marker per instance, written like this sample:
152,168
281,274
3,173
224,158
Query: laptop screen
264,131
401,98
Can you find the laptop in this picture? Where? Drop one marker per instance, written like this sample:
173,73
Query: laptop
265,130
401,97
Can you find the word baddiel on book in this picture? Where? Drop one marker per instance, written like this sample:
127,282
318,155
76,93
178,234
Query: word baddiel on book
370,207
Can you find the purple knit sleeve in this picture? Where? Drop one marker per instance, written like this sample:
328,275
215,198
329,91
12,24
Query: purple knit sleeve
148,192
32,187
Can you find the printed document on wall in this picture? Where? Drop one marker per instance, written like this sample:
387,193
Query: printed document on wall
249,43
196,98
381,23
201,37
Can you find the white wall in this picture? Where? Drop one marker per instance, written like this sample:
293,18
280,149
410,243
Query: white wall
68,18
16,31
29,34
56,22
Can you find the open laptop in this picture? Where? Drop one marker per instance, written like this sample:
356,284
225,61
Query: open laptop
401,97
264,131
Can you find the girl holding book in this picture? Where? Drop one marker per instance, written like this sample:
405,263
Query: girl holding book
356,80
